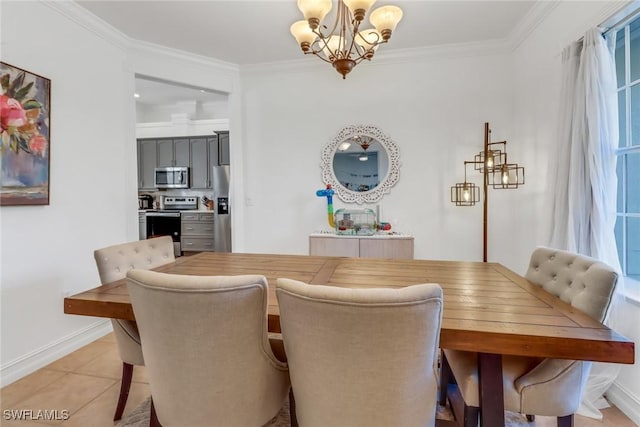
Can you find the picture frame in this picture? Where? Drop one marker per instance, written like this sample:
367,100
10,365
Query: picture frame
25,137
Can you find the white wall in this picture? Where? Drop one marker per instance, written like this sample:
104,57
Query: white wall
433,107
47,250
537,72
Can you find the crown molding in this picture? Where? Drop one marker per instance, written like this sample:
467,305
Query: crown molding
105,31
542,9
445,51
528,24
138,46
90,22
616,11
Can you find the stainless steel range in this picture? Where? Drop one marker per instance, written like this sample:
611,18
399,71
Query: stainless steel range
166,221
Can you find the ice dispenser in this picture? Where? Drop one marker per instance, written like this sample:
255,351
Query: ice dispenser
223,205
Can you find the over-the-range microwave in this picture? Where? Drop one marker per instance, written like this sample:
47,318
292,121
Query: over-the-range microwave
172,177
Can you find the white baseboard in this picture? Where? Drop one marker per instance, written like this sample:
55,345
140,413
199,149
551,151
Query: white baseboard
31,362
624,400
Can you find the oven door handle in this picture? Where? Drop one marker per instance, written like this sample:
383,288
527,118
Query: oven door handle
169,214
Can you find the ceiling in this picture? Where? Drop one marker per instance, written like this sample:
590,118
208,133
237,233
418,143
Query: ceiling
252,32
153,92
247,32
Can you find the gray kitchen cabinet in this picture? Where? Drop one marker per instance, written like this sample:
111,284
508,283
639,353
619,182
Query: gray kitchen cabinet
181,152
207,152
224,157
204,155
199,163
165,153
200,154
196,232
212,142
173,152
147,160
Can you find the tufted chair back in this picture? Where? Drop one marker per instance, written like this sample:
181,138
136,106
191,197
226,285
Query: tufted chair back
585,283
550,387
114,261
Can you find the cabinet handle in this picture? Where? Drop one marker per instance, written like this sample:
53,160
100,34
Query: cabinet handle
190,228
189,244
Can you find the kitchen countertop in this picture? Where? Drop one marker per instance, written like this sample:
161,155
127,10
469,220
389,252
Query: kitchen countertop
182,210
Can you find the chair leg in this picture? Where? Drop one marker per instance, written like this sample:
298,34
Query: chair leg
292,409
566,421
445,378
127,375
153,418
471,416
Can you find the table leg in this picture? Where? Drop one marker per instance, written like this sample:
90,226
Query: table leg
491,390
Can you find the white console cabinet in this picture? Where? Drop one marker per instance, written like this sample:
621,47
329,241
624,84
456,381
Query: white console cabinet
398,246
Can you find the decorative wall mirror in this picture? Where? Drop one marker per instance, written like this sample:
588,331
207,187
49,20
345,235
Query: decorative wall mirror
361,163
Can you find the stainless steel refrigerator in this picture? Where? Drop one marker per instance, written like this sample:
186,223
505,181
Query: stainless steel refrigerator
222,217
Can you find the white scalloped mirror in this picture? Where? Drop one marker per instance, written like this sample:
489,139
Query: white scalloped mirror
361,163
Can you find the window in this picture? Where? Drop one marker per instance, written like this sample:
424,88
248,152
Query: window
627,58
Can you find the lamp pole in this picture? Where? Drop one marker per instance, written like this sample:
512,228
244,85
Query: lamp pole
485,187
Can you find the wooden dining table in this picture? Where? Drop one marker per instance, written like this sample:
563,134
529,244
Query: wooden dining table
488,308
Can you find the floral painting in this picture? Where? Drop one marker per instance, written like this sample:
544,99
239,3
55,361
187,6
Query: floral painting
25,138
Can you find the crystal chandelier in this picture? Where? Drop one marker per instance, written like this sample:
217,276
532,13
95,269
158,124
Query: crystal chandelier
345,44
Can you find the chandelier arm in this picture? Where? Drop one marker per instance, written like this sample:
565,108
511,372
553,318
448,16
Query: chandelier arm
338,16
354,47
323,41
319,56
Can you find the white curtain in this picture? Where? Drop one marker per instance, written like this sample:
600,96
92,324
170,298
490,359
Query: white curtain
584,208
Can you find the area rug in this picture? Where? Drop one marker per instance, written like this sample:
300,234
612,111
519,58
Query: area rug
140,417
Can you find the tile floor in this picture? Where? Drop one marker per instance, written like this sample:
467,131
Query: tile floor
86,383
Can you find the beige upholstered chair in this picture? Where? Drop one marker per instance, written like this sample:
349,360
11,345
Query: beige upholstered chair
113,263
361,357
550,387
206,349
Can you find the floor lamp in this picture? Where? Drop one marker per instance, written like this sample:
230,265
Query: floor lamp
497,172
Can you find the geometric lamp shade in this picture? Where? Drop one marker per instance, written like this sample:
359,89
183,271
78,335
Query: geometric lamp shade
465,194
507,176
495,159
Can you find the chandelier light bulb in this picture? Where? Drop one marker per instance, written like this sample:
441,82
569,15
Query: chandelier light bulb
466,195
303,34
314,11
359,7
505,177
490,159
385,19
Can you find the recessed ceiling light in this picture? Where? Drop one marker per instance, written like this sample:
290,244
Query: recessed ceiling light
203,91
136,95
